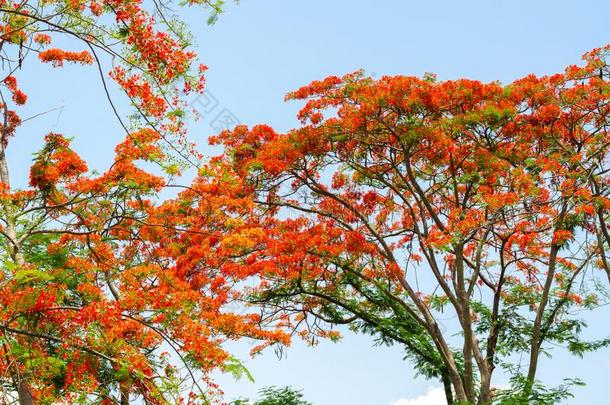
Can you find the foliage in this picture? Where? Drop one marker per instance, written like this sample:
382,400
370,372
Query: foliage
281,396
537,394
276,396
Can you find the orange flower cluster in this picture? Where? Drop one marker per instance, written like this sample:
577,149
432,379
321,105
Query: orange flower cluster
57,57
42,39
141,91
57,162
19,97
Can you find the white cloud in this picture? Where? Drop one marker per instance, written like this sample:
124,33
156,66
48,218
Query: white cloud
435,396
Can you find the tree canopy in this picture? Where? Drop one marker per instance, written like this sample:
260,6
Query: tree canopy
403,200
103,294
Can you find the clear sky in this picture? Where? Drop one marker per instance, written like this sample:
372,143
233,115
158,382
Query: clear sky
262,49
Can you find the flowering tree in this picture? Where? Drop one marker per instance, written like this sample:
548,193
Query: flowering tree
103,291
405,200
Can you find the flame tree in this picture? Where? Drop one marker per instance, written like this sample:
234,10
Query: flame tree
103,294
406,200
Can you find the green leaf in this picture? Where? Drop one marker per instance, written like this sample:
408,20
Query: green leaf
237,369
25,276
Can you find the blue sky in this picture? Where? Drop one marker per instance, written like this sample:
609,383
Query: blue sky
262,49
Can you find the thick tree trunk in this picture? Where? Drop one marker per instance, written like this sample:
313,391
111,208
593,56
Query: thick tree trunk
25,395
485,390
